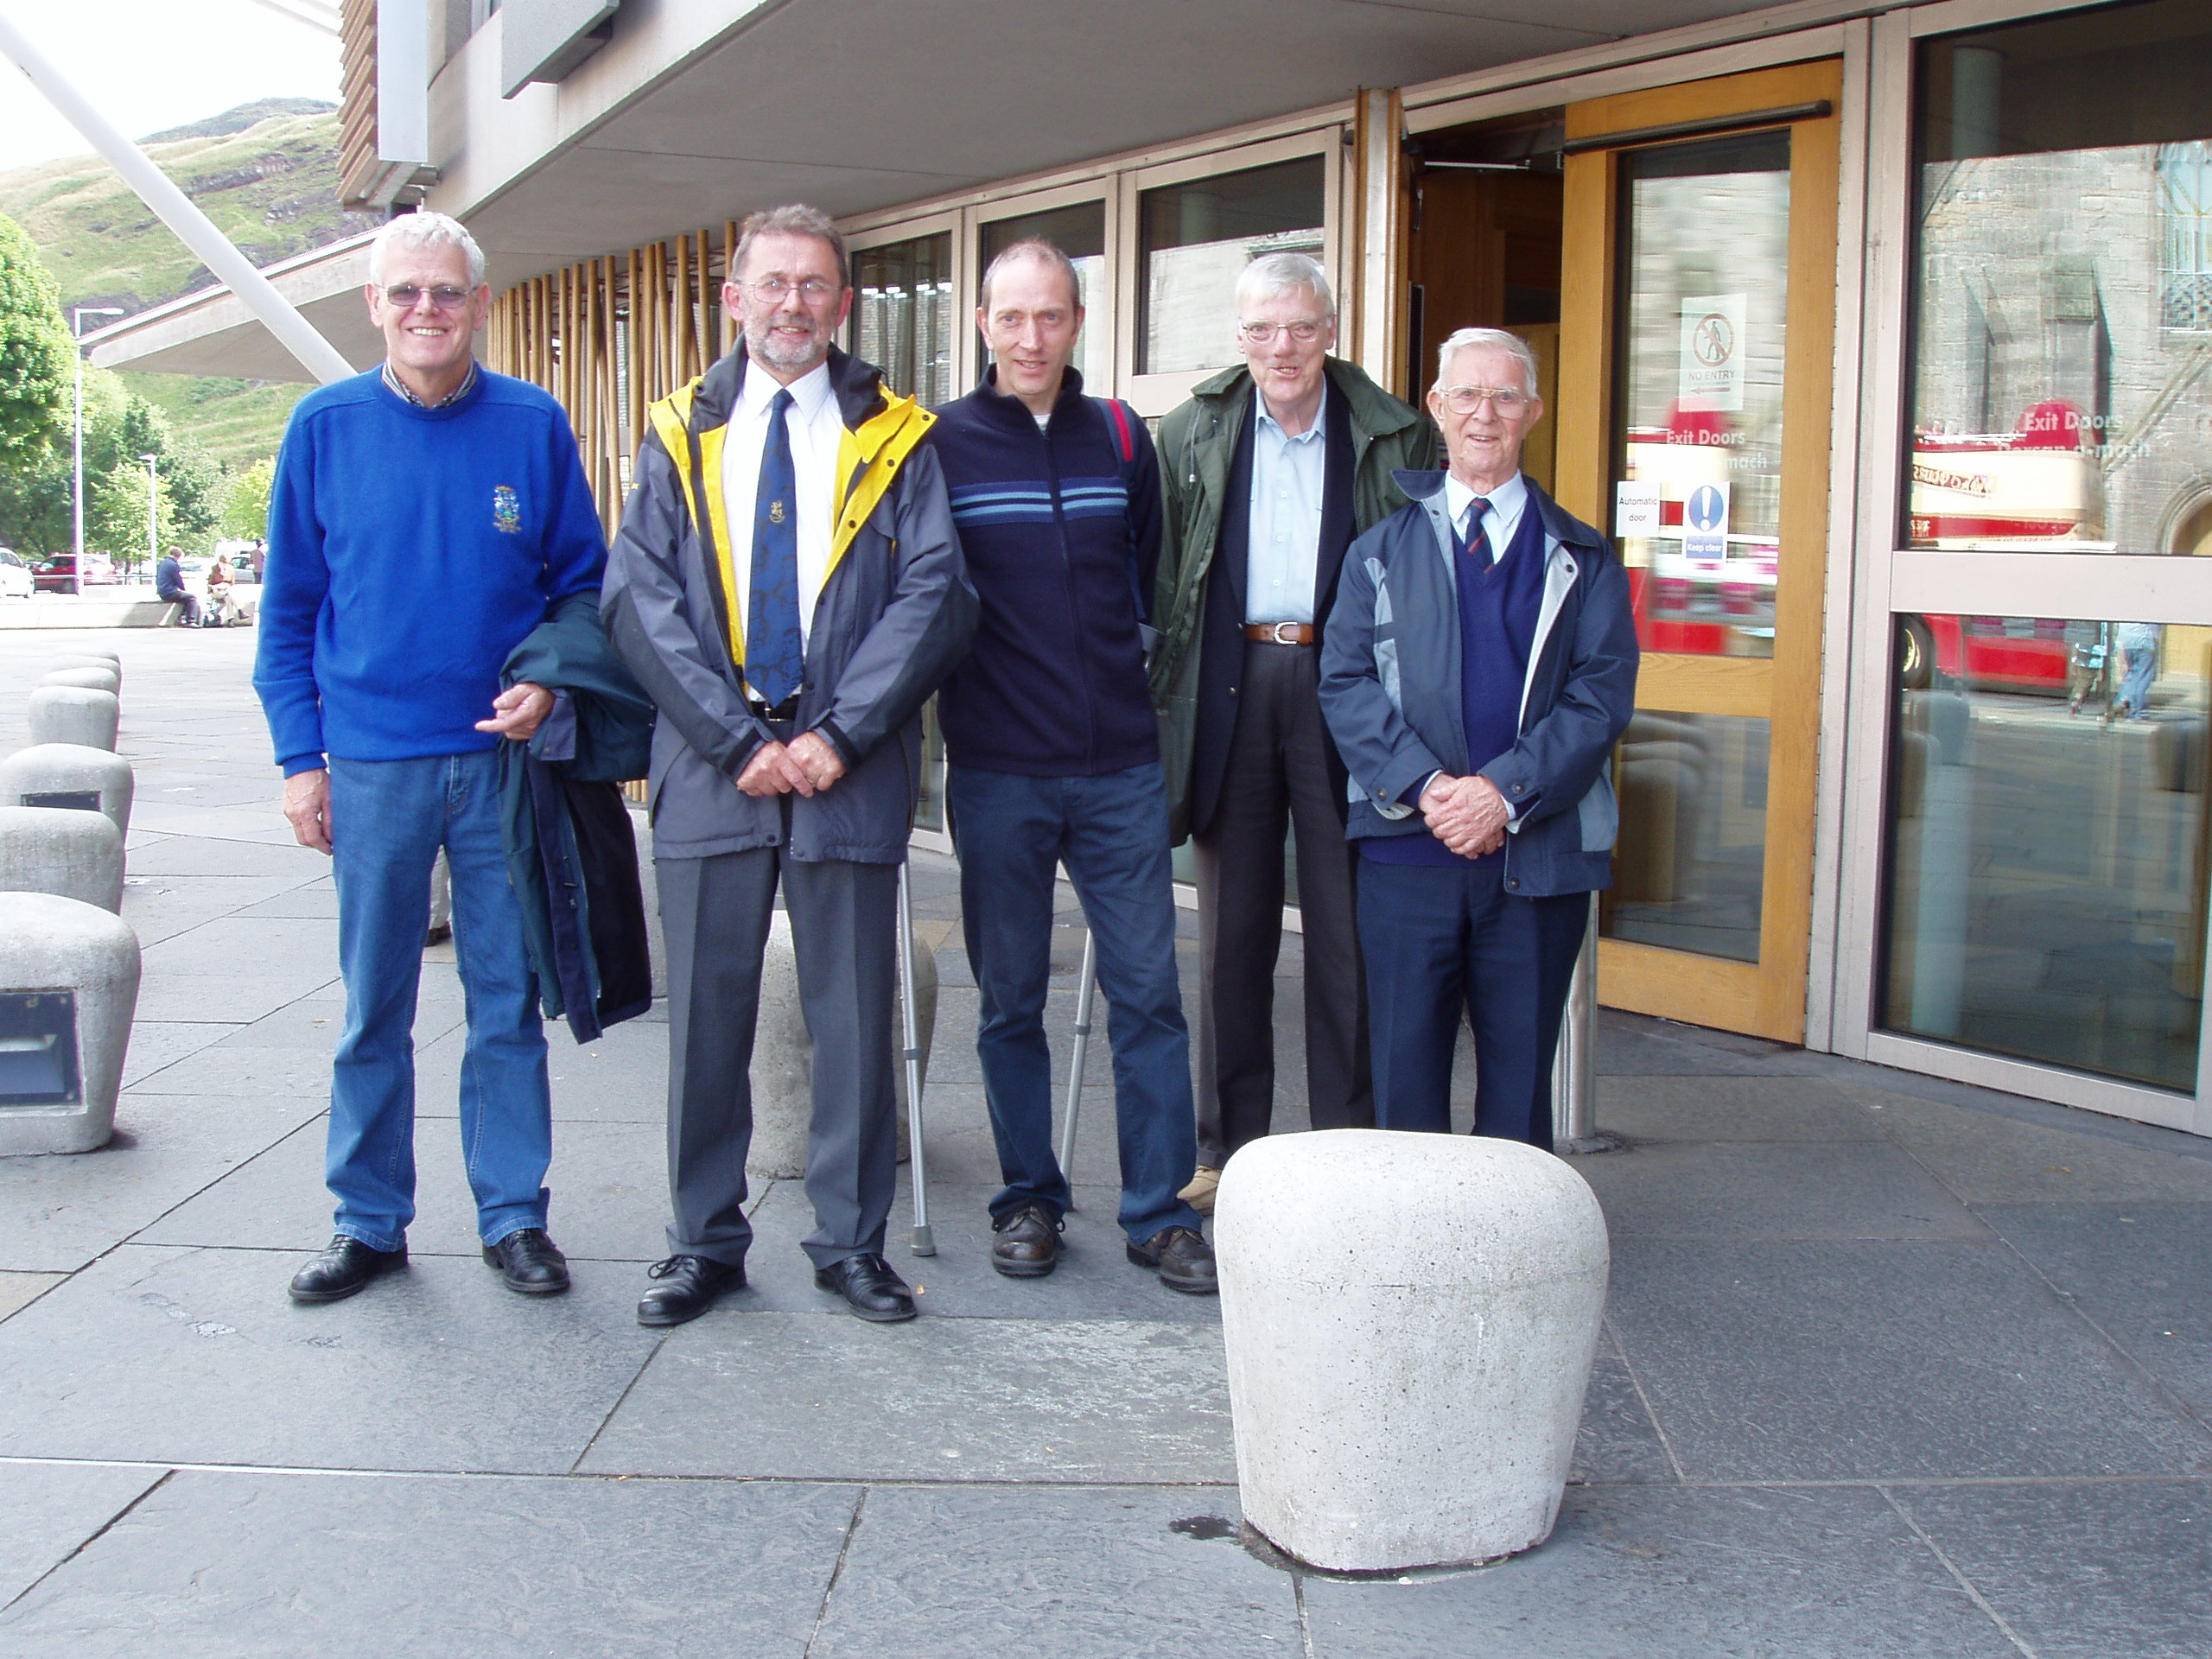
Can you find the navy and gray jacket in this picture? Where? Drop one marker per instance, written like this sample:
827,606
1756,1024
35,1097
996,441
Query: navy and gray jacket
1391,688
1061,538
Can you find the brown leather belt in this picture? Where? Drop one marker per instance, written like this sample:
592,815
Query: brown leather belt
1280,634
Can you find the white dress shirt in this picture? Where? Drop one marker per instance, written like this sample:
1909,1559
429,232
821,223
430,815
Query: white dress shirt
1283,549
816,426
1506,502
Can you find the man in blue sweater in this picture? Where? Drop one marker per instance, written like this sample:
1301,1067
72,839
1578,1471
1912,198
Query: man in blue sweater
424,518
1054,759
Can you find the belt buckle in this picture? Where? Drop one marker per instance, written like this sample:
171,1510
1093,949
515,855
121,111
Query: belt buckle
1275,632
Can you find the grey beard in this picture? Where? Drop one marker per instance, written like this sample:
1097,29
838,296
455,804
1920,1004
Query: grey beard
758,347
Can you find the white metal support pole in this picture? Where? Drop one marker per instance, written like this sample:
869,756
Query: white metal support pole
911,1030
1086,984
153,513
77,316
1575,1067
175,209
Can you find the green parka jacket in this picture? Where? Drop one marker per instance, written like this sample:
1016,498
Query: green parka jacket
1197,446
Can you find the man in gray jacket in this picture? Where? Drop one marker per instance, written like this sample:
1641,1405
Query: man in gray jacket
787,586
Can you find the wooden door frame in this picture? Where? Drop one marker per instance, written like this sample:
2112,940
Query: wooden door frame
1765,998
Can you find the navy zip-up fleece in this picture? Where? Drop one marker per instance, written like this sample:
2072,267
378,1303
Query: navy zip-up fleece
1061,541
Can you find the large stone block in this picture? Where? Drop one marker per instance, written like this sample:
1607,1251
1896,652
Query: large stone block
84,656
70,775
783,1058
91,675
69,988
76,855
1410,1322
74,714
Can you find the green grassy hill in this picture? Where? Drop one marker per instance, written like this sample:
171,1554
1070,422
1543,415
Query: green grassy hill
265,173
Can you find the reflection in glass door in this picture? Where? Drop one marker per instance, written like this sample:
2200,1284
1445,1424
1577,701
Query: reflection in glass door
1695,380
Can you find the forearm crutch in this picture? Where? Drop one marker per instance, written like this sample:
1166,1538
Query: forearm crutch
1086,985
912,1053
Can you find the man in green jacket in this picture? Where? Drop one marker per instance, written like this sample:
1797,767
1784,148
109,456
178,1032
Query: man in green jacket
1264,493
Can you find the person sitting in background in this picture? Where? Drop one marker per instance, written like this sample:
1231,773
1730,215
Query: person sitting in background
222,609
168,584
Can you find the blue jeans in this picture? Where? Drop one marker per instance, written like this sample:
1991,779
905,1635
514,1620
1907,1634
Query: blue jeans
388,819
1111,832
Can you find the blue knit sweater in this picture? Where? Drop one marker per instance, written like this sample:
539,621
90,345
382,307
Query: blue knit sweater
409,550
1061,540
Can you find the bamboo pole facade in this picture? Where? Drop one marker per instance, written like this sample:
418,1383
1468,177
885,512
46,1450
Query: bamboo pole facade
609,336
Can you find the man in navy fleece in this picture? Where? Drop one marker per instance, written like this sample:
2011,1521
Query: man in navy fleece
425,516
1054,759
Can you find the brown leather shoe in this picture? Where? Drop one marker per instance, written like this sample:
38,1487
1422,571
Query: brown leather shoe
1183,1260
1029,1243
1199,1194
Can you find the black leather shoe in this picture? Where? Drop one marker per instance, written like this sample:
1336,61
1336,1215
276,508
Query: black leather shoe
687,1286
528,1262
1183,1259
869,1287
1029,1243
342,1270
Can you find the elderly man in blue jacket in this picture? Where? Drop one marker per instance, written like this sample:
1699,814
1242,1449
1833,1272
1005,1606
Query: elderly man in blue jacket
1480,666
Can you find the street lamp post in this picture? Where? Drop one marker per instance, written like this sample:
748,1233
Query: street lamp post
153,509
77,316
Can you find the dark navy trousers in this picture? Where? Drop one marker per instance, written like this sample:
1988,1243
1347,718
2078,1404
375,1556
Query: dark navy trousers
1439,941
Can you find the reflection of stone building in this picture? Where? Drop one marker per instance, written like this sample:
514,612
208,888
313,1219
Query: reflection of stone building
2061,277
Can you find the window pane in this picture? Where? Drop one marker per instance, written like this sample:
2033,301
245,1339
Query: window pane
2046,886
1196,236
2063,282
902,315
1704,304
1079,231
1690,871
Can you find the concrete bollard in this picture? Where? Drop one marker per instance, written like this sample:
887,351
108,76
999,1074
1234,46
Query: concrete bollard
1410,1322
70,775
74,714
84,657
90,675
783,1060
68,988
76,855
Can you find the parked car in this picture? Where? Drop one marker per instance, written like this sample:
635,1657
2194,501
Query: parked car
16,578
57,573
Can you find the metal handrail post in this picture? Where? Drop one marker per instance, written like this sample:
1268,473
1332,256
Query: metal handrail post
911,1030
1575,1067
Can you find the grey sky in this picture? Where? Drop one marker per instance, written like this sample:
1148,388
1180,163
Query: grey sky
151,64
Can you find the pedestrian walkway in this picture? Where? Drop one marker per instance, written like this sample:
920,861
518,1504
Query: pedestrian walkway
1891,1366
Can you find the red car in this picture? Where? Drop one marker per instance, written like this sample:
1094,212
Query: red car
57,573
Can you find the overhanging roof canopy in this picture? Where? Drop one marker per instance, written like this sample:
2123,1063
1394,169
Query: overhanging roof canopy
212,333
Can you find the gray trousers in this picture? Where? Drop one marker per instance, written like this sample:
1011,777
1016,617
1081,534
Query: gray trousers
716,912
1279,777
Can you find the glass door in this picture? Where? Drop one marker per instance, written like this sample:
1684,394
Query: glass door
1695,379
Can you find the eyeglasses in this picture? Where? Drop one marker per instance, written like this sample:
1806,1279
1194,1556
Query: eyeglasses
813,290
1263,334
1508,401
406,296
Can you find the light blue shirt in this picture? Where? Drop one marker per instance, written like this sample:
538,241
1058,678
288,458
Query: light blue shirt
1507,502
1283,553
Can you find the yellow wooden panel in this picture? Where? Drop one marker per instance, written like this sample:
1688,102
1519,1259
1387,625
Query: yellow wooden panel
1705,686
1707,100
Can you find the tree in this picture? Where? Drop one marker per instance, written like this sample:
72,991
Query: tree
245,507
115,514
36,354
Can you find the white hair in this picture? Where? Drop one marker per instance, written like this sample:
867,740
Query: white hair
425,229
1274,274
1495,340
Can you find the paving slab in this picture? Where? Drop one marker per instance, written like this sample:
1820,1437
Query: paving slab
1652,1572
169,852
1999,1160
2142,1271
953,1573
19,1290
217,1566
1630,1045
245,997
312,900
1866,1361
825,1397
621,1078
610,1197
1703,1108
1618,1441
160,907
2083,1570
60,1211
289,945
49,1510
291,1073
165,1355
1775,1190
156,1044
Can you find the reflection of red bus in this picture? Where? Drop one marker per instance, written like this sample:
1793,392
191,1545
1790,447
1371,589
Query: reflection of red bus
1988,653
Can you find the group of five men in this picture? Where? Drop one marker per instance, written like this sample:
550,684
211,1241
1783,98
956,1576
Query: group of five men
1277,620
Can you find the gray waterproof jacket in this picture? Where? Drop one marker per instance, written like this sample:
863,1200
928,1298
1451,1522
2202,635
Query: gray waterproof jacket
895,615
1391,690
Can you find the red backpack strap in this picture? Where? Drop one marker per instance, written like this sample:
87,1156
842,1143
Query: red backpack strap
1124,438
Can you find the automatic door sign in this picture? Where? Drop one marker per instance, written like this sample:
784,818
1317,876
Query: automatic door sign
1705,523
1712,351
1635,509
